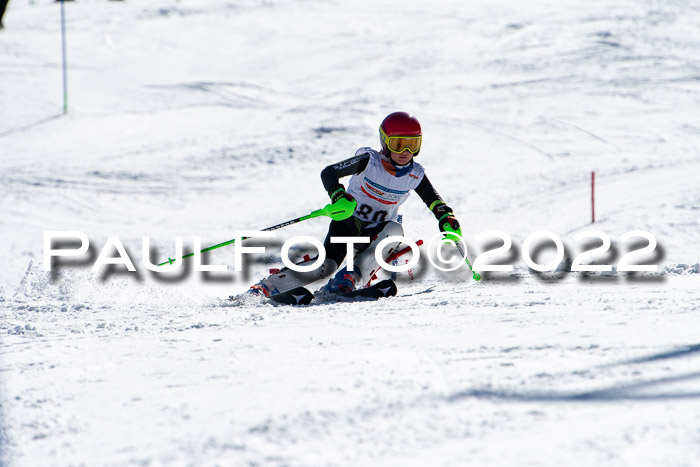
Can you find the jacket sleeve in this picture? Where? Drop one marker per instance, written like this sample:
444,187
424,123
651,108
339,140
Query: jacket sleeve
432,199
331,175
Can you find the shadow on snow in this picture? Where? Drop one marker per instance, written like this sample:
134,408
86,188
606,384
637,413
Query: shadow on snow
617,392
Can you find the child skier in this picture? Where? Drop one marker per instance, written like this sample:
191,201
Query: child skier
381,181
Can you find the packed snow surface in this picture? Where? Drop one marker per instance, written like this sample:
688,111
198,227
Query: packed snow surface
200,118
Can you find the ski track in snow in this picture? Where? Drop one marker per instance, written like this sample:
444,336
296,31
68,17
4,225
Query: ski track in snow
198,120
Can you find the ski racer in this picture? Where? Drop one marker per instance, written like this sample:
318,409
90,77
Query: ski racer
380,183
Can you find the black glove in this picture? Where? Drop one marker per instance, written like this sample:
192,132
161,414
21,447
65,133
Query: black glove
452,222
439,209
341,193
447,221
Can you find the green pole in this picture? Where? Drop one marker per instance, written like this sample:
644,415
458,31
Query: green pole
475,275
341,209
65,65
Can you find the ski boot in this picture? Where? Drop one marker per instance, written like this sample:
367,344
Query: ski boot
259,289
343,282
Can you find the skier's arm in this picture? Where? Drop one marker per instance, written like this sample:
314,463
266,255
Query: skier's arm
331,175
443,213
431,198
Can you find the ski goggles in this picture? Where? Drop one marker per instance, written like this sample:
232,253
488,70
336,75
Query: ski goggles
402,143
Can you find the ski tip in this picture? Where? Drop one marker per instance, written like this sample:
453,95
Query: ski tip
298,296
387,288
382,289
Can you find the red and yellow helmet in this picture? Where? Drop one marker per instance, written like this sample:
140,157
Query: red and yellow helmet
400,131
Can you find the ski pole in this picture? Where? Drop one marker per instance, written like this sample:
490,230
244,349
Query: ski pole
341,209
475,275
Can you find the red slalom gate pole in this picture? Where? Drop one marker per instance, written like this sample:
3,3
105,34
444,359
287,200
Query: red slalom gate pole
593,197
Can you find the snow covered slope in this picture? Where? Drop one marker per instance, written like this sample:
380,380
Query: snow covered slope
201,118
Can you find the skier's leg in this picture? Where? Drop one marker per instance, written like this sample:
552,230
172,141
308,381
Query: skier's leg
365,263
287,279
